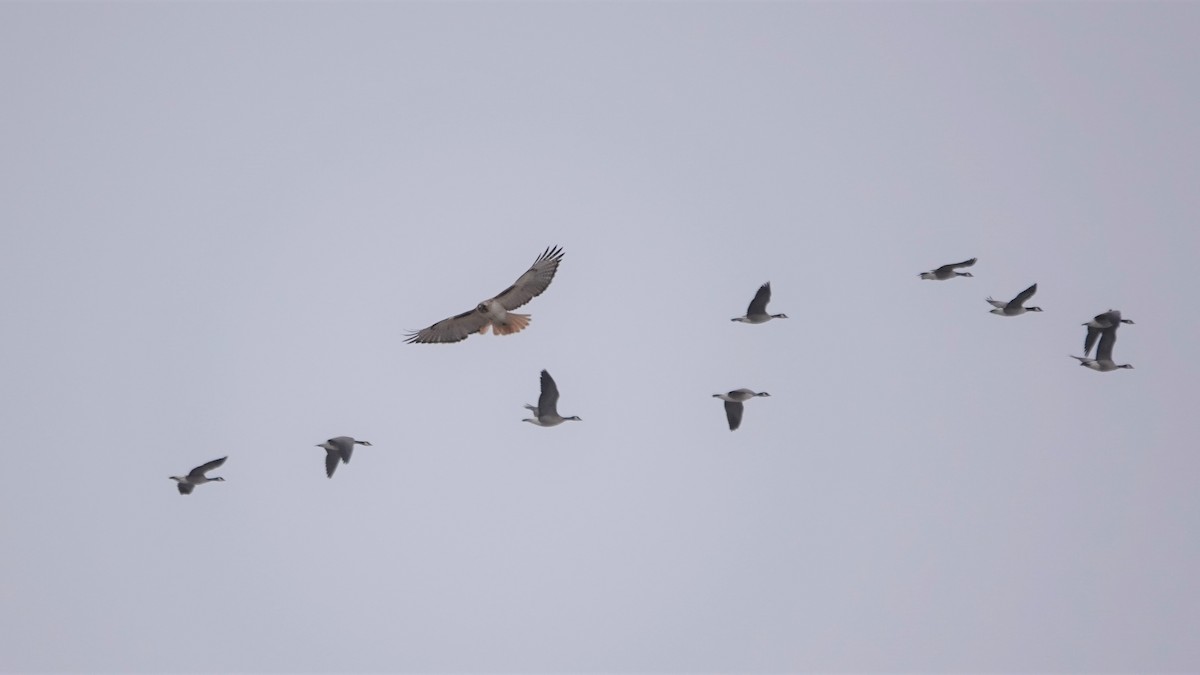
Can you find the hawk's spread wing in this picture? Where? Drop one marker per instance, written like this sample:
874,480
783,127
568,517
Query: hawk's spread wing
533,282
455,329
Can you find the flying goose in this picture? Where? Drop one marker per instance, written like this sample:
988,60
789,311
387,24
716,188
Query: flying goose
1110,319
948,272
496,312
1015,306
733,404
337,448
545,413
196,476
757,312
1103,361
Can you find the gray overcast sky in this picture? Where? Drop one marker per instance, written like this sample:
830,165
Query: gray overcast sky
217,220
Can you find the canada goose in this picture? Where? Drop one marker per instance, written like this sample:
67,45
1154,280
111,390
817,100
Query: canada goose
545,413
337,448
1103,361
1014,306
733,404
496,312
196,476
948,272
1110,319
757,312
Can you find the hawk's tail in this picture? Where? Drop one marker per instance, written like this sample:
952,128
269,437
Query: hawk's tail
513,323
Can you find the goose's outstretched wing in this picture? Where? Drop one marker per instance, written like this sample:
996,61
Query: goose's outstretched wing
733,412
1025,295
948,268
185,488
199,471
1093,334
1108,339
344,446
759,304
548,400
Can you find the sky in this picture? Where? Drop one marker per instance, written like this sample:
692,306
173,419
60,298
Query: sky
218,221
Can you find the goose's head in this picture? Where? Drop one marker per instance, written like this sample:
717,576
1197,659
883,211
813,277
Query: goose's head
1129,321
964,274
177,479
215,478
1127,365
762,393
363,442
1033,309
573,418
779,316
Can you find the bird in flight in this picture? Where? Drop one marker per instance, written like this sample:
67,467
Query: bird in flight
196,476
757,311
1016,306
545,413
496,312
733,404
948,272
1110,319
1104,360
337,448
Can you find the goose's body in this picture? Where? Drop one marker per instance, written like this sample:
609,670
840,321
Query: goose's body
757,311
196,476
496,312
338,448
948,271
1104,362
1110,319
1016,306
545,413
733,404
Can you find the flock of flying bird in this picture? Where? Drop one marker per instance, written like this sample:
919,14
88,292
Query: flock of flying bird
1103,326
497,313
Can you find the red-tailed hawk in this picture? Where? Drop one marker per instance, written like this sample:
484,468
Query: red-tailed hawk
496,312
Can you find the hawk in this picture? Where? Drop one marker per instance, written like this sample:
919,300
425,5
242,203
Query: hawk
496,312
